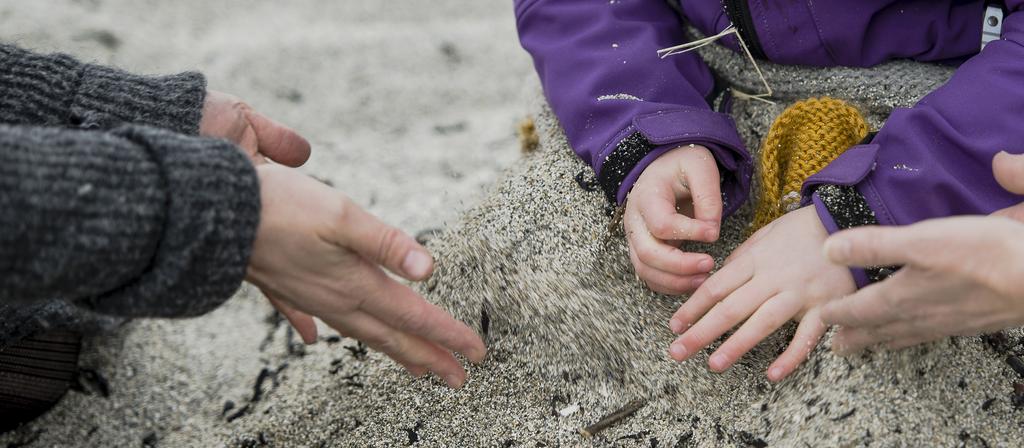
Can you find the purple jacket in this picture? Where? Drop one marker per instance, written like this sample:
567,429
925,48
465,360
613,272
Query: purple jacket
622,107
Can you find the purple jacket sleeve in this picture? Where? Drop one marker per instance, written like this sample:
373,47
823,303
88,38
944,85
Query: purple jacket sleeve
935,159
620,105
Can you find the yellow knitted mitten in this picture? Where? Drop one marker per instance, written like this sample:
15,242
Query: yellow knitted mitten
804,139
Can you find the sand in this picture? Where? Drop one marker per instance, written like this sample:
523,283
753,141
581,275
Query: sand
534,261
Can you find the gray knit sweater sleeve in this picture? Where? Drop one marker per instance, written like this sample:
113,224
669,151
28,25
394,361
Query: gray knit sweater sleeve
133,222
58,90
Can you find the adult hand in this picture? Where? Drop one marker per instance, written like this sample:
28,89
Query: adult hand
319,254
677,197
961,276
228,117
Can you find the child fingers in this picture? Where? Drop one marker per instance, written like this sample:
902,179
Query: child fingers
664,282
665,222
765,321
713,290
808,333
664,257
1009,171
705,185
726,315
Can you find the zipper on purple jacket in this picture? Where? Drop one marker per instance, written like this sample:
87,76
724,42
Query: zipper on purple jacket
739,13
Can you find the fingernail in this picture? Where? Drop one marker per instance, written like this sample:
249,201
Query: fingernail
676,326
717,362
706,265
775,373
417,264
837,248
477,355
677,351
454,381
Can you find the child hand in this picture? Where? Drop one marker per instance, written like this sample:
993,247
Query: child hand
779,274
677,198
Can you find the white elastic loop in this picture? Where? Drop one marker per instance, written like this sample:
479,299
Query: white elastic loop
690,46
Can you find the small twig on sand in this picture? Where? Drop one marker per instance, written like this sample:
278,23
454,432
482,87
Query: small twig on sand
613,418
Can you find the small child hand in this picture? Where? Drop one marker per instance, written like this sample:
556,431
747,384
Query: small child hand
677,198
779,274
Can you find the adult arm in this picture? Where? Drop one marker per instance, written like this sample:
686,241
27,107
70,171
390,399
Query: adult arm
134,222
58,90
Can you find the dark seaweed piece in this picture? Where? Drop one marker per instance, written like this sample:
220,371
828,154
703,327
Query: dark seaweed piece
294,348
751,441
426,235
684,440
586,182
358,351
336,366
634,437
150,440
89,381
845,416
996,341
1016,364
333,339
508,443
413,433
228,406
448,129
962,383
485,322
352,381
987,404
613,418
654,442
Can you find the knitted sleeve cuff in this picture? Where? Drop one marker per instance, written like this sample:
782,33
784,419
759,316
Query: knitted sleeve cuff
652,135
58,90
107,97
212,212
842,207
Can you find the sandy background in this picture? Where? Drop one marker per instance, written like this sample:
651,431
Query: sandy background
412,106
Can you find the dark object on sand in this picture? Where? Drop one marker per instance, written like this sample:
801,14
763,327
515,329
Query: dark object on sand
34,375
1017,364
613,418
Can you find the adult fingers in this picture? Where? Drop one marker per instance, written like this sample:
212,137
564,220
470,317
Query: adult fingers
1009,171
277,141
403,309
714,290
664,257
664,282
410,351
765,321
1016,212
302,322
869,307
381,243
726,315
808,333
848,341
665,222
876,246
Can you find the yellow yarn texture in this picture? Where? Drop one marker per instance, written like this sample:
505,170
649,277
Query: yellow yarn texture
803,140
